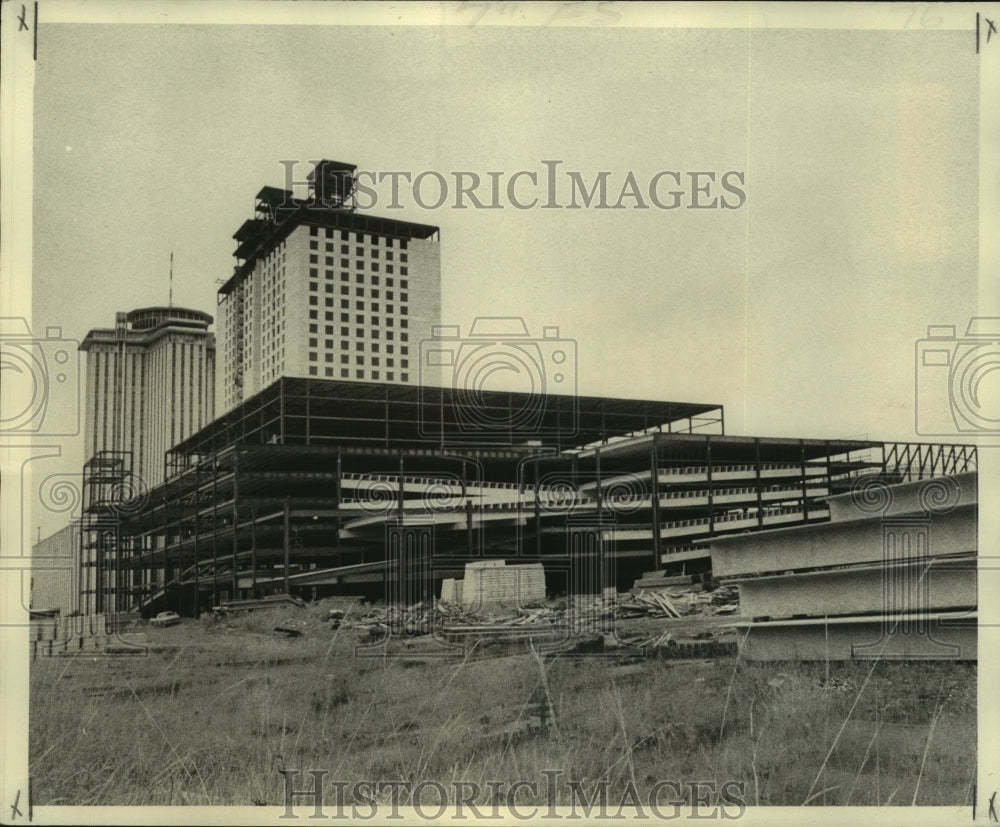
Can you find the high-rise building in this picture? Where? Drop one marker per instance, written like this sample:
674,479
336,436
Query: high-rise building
150,384
320,290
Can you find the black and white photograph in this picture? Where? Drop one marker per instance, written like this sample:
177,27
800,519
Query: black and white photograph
498,412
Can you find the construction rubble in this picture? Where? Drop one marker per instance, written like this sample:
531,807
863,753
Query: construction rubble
678,614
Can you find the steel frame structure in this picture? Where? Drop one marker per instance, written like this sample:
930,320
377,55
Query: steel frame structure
301,488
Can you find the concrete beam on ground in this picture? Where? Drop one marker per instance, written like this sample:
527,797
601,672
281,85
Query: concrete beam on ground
825,545
946,584
932,636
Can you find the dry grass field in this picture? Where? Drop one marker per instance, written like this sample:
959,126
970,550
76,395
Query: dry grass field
217,707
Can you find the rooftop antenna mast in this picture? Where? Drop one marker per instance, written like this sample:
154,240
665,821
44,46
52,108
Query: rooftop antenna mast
171,278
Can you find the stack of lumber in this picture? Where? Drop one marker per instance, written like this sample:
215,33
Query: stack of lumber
655,580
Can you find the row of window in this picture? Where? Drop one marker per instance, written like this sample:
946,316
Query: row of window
345,290
344,331
345,250
359,238
345,263
359,359
345,373
404,284
390,321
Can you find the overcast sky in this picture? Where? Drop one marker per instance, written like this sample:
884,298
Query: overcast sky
798,310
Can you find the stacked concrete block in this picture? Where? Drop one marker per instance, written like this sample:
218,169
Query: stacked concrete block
502,585
492,583
451,591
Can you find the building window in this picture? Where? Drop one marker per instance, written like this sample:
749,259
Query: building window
388,269
360,374
404,337
313,245
374,266
329,302
345,290
402,258
313,328
344,358
404,350
312,231
312,356
388,376
375,374
329,247
328,357
359,251
344,373
313,258
344,263
344,344
405,377
313,342
359,360
388,256
328,316
328,371
313,300
313,314
313,272
329,261
345,304
359,319
313,286
360,333
388,282
329,332
312,370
